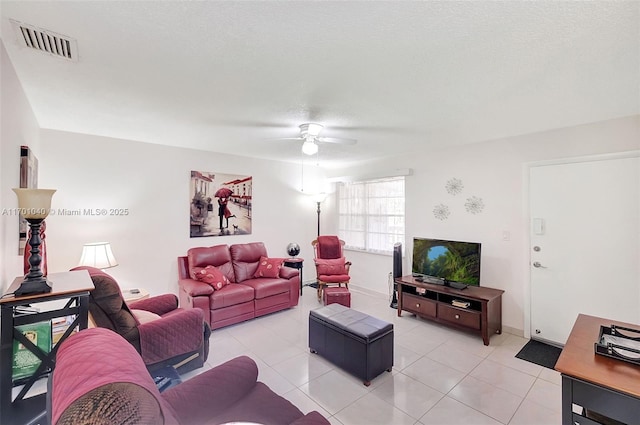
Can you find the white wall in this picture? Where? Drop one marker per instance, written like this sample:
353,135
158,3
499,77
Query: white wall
18,127
153,181
493,171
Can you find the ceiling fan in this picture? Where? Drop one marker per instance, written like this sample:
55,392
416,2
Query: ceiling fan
310,135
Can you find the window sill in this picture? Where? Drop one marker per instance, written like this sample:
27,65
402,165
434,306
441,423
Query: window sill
364,251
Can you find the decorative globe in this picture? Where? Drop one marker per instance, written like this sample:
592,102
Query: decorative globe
293,249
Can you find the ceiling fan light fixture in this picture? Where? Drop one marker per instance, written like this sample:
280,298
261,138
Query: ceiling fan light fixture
310,129
309,148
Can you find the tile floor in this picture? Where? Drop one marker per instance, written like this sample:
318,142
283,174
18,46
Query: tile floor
440,375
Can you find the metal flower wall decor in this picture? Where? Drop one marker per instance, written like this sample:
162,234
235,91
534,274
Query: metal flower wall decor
474,205
441,212
454,186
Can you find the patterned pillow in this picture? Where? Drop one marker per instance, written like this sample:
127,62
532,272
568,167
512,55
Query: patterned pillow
331,267
269,267
212,276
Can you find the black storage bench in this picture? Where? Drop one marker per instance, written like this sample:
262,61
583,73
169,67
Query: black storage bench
358,343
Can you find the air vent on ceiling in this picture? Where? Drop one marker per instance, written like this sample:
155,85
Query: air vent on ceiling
46,41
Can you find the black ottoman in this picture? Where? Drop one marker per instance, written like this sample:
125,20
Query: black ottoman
358,343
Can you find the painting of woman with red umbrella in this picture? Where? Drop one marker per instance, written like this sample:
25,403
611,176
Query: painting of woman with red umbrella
233,195
223,194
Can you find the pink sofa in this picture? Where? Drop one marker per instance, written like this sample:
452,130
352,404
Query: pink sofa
100,379
246,296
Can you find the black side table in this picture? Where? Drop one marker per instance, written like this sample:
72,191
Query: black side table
295,263
71,286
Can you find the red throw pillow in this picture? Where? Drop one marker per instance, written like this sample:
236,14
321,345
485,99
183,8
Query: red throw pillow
193,273
269,267
331,267
212,276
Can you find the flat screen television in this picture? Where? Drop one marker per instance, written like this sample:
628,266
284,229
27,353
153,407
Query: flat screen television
450,263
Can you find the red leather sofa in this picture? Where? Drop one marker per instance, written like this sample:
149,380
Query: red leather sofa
100,379
246,296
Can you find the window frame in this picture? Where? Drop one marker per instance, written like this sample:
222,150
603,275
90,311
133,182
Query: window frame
346,215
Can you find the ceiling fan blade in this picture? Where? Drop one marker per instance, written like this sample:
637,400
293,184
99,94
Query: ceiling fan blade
341,141
297,139
377,128
248,123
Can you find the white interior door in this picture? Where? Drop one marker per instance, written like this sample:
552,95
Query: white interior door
585,244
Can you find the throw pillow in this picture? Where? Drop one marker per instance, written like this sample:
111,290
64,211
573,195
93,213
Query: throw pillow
193,273
331,267
269,267
212,276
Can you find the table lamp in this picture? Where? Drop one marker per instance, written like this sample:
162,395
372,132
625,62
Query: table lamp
98,255
34,206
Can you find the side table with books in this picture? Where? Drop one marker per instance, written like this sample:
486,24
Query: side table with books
26,328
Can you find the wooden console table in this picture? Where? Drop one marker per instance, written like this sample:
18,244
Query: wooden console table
483,314
597,383
72,286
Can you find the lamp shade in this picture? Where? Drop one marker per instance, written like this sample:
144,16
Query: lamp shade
98,255
34,203
320,197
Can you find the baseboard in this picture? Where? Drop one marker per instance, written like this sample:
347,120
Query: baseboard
356,288
368,291
513,331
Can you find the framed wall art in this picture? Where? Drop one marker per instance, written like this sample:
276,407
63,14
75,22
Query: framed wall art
219,204
28,180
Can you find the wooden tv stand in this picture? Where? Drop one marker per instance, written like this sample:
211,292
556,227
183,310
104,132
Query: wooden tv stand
483,315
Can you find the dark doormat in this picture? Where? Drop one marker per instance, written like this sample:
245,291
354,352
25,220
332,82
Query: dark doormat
540,353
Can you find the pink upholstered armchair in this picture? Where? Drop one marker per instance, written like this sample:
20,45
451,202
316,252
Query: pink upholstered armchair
161,333
100,379
331,266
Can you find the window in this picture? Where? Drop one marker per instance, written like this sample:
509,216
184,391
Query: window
371,214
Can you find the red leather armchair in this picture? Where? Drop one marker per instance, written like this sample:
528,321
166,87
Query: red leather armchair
100,379
161,333
331,266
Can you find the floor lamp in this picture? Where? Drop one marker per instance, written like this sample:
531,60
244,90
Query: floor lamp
320,197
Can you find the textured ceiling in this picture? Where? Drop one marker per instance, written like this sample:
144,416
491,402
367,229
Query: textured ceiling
397,76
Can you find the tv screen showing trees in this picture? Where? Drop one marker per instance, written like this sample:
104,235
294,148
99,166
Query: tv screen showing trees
450,260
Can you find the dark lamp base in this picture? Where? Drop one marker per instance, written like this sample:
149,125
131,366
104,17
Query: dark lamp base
36,286
394,300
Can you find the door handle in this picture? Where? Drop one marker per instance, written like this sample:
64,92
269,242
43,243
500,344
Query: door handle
538,265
